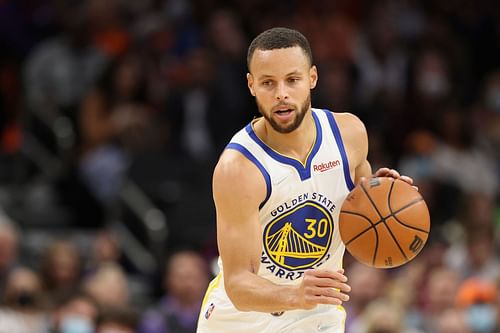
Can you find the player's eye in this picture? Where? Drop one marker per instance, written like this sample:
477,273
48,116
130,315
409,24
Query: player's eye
293,79
267,83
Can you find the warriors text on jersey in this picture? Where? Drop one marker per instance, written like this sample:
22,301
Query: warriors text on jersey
299,220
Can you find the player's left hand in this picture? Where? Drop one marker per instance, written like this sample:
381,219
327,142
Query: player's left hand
386,172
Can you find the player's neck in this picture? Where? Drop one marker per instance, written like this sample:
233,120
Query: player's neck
296,144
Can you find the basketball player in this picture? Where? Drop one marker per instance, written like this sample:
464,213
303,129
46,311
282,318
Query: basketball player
278,188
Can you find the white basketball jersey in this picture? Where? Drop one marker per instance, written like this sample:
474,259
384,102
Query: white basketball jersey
299,219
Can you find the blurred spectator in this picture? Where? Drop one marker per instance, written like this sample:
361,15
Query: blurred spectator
9,243
235,105
438,296
453,321
457,152
115,121
61,267
381,61
335,91
60,70
105,250
117,320
497,324
367,285
185,280
107,26
476,257
191,108
381,316
22,308
477,298
108,285
74,311
487,117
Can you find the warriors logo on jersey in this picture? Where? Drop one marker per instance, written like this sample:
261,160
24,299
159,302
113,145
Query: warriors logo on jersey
299,238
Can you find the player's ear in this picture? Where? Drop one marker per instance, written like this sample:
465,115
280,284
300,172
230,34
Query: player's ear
313,76
250,83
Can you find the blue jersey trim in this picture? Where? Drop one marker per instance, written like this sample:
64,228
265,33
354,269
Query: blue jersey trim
340,144
253,159
304,171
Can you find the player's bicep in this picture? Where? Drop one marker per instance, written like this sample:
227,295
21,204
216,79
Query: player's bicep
238,190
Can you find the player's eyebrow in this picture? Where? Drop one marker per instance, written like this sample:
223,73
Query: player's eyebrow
267,76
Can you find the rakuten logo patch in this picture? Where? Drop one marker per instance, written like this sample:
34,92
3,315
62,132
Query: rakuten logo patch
322,167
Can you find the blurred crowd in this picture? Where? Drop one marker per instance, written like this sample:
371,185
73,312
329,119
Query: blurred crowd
113,113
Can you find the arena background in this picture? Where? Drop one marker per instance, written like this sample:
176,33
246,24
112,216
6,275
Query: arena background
113,114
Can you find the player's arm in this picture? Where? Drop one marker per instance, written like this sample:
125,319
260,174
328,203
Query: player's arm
239,188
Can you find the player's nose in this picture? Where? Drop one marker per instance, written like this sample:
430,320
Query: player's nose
281,91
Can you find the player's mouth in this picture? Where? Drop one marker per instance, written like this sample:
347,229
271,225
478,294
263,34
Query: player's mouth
284,112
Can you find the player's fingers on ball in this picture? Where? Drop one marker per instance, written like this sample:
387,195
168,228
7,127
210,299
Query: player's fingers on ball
407,179
394,173
382,172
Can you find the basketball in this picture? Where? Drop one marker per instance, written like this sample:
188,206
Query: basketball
384,222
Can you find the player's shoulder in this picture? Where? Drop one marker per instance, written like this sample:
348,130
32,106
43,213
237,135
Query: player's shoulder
234,166
349,121
235,175
351,126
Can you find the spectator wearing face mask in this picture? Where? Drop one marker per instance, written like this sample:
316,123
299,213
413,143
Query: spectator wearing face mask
75,312
21,308
477,298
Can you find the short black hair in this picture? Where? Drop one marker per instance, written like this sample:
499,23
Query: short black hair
279,38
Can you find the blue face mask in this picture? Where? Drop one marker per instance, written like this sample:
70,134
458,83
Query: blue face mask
481,318
76,324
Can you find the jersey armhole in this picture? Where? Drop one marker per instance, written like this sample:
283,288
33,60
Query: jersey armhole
340,145
253,159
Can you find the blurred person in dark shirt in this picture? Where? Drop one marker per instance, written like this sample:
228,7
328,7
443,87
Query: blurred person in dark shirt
61,267
185,280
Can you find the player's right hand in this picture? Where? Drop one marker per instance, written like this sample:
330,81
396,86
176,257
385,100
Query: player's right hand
321,286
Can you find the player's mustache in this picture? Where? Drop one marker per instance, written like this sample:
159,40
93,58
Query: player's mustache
282,104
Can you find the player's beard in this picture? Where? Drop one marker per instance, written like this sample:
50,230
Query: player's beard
299,116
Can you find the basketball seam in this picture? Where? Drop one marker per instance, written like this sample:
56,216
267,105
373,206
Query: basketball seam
362,232
403,208
392,214
372,226
358,214
371,201
375,229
